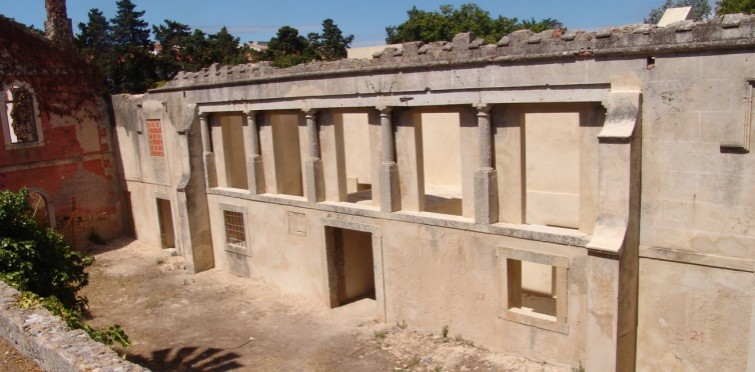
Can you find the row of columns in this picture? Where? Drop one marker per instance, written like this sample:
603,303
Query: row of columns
485,186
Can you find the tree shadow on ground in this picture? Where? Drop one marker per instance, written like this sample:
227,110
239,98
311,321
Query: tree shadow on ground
188,359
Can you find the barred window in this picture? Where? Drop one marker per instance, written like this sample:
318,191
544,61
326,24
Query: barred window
234,228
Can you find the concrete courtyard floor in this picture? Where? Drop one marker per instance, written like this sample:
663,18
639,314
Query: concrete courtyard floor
214,321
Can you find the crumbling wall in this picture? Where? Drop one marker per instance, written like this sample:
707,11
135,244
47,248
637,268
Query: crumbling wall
46,340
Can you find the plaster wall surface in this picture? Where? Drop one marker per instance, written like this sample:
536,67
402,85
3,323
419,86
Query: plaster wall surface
646,167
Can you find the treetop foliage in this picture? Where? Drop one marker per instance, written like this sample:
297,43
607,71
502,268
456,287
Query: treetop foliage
121,47
735,6
448,21
288,48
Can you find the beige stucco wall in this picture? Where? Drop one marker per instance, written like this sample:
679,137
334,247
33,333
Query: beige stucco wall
466,297
688,311
695,214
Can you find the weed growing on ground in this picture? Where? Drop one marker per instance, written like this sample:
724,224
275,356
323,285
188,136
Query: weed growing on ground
401,324
579,368
444,333
462,341
160,260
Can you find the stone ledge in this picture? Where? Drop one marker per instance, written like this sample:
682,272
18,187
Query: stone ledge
48,342
732,31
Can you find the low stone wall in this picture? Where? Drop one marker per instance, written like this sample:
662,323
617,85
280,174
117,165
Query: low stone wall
46,340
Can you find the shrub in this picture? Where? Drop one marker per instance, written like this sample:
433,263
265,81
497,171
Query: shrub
47,270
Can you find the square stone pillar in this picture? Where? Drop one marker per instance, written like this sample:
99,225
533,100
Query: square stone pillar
411,177
390,195
332,155
254,170
314,184
208,157
485,179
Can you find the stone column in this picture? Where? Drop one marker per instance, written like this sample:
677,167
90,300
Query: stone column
255,175
486,182
313,172
210,173
390,198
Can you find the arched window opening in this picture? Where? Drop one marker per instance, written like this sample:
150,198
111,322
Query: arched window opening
39,208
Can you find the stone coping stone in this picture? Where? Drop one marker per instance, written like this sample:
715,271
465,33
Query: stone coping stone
47,341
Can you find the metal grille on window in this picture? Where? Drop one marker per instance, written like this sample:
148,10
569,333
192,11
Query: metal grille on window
234,228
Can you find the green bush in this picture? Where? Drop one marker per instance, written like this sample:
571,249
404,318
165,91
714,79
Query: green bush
37,259
47,270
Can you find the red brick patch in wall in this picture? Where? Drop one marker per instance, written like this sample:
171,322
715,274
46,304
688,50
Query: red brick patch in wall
155,135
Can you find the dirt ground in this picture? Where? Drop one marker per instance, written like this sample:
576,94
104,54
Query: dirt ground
12,361
214,321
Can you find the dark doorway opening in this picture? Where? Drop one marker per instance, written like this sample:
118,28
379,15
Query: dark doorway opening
165,217
351,266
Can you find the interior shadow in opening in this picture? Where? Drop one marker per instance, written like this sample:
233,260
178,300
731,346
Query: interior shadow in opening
441,154
351,266
165,217
357,153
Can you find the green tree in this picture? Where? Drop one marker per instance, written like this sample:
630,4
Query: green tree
133,67
331,44
226,49
178,49
700,9
735,6
287,48
448,21
94,41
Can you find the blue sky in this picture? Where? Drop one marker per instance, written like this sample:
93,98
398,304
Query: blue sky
259,20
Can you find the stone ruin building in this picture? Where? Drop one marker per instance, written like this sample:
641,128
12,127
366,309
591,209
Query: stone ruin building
574,197
56,130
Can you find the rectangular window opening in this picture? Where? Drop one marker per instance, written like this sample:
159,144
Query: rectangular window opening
532,288
287,153
21,125
357,156
228,140
235,233
535,288
441,161
551,149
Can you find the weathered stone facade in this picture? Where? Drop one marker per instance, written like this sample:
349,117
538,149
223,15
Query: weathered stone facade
57,138
571,197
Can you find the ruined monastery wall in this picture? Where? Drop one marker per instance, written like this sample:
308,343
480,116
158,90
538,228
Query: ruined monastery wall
571,197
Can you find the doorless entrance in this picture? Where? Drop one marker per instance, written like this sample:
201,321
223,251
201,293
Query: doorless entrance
165,217
351,267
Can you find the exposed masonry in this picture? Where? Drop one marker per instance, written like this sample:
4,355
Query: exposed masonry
733,31
53,346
